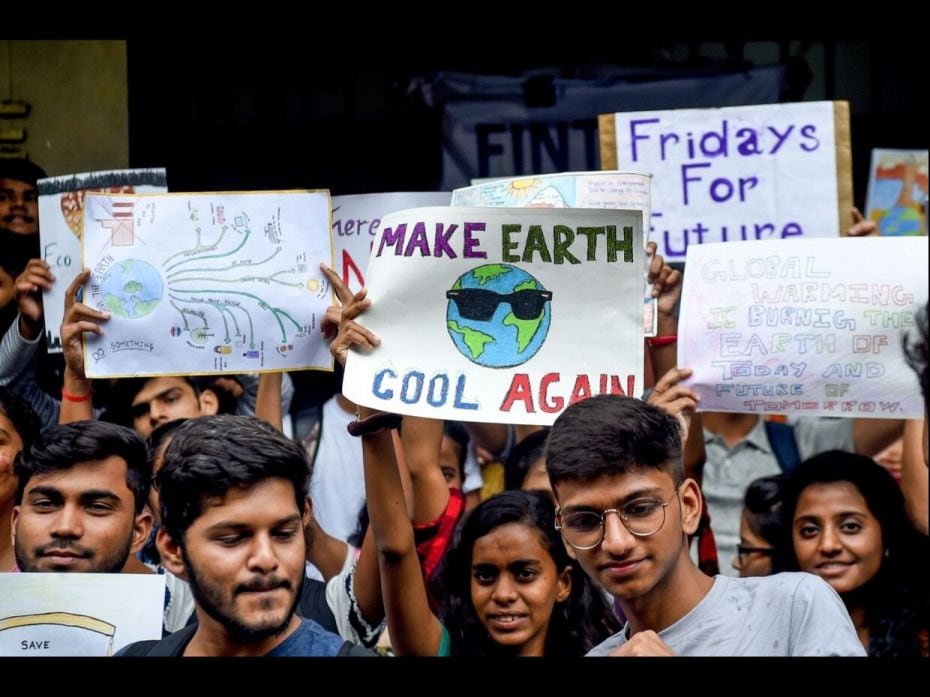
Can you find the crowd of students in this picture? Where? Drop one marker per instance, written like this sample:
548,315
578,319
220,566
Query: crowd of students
618,531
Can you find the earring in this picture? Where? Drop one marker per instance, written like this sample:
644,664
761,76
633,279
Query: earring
887,553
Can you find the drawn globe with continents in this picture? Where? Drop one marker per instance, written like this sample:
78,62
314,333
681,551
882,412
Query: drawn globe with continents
498,315
131,289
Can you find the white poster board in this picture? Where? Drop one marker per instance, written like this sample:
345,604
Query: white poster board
356,220
61,614
61,225
612,190
501,315
207,283
773,171
810,328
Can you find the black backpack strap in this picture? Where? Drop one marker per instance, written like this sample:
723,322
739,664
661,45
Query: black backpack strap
784,445
171,645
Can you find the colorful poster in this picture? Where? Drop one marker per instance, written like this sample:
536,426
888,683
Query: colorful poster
61,614
207,283
356,220
897,194
811,328
612,190
501,315
773,171
61,225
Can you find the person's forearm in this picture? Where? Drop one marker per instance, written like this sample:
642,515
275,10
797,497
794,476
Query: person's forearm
414,629
665,357
422,440
491,437
694,455
268,399
871,436
914,475
76,402
28,329
17,354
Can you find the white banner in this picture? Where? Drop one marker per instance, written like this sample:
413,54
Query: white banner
207,283
501,315
61,224
736,173
356,220
611,190
60,614
809,328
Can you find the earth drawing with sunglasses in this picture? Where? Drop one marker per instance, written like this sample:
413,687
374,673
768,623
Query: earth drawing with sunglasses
498,315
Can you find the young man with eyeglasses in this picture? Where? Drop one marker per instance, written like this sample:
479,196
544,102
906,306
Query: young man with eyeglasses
626,512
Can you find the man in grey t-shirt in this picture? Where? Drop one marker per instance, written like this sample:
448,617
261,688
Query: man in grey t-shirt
625,513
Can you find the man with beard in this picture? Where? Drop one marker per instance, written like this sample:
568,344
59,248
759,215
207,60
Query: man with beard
233,499
80,499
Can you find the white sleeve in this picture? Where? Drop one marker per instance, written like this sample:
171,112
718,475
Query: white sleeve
340,597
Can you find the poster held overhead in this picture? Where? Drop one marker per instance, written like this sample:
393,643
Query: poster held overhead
611,190
61,226
207,282
356,220
501,315
773,171
897,193
810,328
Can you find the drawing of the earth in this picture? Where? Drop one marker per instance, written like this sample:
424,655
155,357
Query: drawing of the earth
504,340
900,221
131,289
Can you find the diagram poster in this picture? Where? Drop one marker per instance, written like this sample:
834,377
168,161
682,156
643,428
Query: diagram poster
207,283
61,219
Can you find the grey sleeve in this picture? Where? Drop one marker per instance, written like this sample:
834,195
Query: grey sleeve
16,353
817,434
18,358
820,624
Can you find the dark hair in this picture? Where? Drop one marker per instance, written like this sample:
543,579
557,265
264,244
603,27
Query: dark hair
21,169
577,624
119,409
522,457
162,433
21,415
895,600
457,432
62,447
609,434
762,505
210,455
917,351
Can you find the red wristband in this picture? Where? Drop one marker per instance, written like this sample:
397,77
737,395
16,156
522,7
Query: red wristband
663,340
74,397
